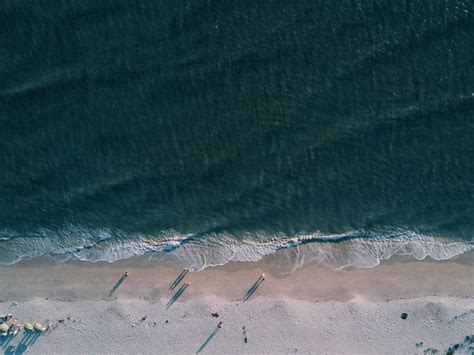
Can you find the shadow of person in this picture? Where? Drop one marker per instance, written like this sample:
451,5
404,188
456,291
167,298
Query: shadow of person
254,287
177,295
178,279
118,283
209,338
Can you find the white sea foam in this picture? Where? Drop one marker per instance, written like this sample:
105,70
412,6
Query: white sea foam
337,251
353,249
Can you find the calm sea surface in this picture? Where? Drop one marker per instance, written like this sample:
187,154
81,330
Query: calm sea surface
228,128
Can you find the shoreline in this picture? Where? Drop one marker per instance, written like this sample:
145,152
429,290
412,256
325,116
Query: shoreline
405,275
308,311
336,251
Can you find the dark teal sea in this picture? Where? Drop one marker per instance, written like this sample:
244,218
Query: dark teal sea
226,130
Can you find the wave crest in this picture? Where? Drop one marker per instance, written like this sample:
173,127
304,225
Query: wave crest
198,251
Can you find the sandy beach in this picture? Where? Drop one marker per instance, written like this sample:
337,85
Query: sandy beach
236,177
314,310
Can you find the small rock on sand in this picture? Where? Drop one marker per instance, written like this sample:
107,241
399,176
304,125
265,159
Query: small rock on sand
215,315
404,316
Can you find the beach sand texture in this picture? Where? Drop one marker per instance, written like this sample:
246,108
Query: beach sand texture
314,310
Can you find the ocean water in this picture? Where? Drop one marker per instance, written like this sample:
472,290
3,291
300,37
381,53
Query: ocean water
210,131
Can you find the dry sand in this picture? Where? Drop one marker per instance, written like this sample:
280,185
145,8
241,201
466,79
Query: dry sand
314,310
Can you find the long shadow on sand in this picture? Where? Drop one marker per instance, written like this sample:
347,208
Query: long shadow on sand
117,284
177,295
209,338
178,279
252,289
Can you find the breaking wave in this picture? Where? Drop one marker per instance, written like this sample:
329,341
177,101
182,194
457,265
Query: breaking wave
352,249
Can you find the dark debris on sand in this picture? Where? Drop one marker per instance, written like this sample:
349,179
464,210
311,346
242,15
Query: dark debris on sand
404,316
